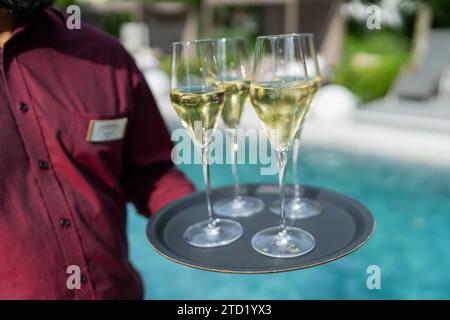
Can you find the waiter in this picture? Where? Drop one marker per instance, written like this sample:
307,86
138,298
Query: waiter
80,135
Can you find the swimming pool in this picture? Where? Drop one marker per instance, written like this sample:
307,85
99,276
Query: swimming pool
410,202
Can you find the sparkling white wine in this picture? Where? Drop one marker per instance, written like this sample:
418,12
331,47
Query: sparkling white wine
315,86
281,108
199,109
236,93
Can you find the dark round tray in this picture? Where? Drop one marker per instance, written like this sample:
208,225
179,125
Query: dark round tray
344,226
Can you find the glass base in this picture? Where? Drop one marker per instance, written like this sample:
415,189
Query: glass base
298,208
207,235
272,242
241,206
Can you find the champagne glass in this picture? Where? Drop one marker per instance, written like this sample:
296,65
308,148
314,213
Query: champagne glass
232,62
197,95
300,207
280,93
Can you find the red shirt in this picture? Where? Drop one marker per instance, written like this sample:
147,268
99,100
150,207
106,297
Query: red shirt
62,197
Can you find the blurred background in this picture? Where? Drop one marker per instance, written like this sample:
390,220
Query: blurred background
379,131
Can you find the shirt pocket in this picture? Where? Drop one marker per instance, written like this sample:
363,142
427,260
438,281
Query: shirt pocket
95,141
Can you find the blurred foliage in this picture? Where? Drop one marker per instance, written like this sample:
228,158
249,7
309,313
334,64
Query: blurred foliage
193,2
242,22
441,13
390,51
166,63
440,8
372,59
63,4
229,22
111,22
355,27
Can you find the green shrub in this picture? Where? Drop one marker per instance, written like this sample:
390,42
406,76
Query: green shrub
166,63
389,51
63,4
111,22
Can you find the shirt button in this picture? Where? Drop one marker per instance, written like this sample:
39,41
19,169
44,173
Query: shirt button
43,165
83,278
23,107
64,222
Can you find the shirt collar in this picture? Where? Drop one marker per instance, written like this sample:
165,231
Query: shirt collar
24,22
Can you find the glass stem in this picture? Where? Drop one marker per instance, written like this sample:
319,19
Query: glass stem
205,167
234,150
282,160
295,161
295,174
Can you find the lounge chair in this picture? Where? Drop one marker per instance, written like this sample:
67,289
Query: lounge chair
423,82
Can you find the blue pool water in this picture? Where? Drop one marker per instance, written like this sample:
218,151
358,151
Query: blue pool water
410,202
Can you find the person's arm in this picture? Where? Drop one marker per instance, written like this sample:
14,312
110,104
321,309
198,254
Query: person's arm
149,178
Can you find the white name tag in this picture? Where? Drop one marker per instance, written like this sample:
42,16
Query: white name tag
106,130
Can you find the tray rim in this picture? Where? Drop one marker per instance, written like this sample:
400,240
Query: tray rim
306,266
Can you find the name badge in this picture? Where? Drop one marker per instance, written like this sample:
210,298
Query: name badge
106,130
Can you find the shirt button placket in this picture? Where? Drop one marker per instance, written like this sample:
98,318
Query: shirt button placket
34,142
